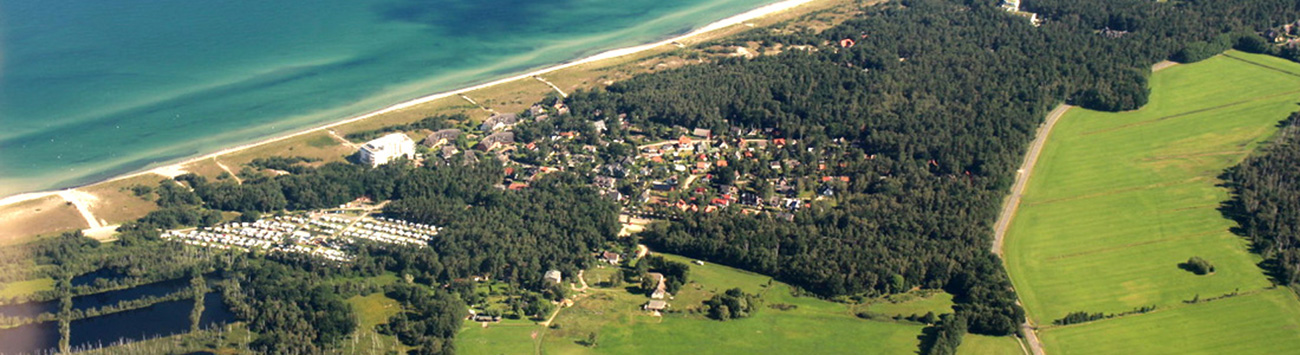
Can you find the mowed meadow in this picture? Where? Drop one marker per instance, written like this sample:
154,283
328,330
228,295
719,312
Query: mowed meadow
807,324
1118,200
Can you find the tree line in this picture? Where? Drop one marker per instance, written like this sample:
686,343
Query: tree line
1266,202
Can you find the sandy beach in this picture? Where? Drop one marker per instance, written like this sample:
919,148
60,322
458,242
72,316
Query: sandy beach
175,169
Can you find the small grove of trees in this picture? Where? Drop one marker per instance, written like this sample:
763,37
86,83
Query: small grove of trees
732,304
429,320
944,337
1197,265
675,273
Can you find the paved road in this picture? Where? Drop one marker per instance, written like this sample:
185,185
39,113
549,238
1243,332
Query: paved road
1013,202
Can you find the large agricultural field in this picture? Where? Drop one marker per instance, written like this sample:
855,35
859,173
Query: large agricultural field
613,314
1118,200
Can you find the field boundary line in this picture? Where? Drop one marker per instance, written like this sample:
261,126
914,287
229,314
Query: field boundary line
1188,113
1116,191
1262,65
1132,245
1179,305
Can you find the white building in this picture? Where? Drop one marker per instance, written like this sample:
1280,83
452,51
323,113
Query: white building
387,148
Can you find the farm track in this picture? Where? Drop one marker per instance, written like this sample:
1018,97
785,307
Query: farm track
1013,202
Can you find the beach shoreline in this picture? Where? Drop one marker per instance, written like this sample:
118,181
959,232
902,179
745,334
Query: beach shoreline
174,169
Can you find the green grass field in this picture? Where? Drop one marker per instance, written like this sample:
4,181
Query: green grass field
986,345
24,288
1118,200
914,303
614,315
1261,323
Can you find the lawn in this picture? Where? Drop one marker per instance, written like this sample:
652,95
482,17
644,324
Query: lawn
24,288
614,315
917,302
987,345
371,310
1118,200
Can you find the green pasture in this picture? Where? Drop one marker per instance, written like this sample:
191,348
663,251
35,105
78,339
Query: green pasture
25,288
987,345
1260,323
1118,200
621,327
371,310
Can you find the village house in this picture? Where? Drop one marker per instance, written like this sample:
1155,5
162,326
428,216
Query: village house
611,257
441,137
661,290
499,121
604,182
387,148
449,151
496,140
553,276
656,306
702,132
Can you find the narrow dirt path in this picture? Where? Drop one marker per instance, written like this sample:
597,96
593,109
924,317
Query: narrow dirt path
1022,177
81,201
227,169
557,88
1013,201
463,96
342,140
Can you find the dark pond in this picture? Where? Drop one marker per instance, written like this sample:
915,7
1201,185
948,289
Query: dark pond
157,289
88,279
163,319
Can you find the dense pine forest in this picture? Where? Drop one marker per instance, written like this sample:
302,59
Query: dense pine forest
1266,202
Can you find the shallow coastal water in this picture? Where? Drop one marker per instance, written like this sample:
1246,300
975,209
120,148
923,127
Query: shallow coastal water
90,89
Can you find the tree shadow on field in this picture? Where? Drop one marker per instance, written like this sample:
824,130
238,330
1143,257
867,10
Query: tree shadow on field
1233,209
928,336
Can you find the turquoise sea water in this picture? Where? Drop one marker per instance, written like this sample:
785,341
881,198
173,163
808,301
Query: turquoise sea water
91,89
